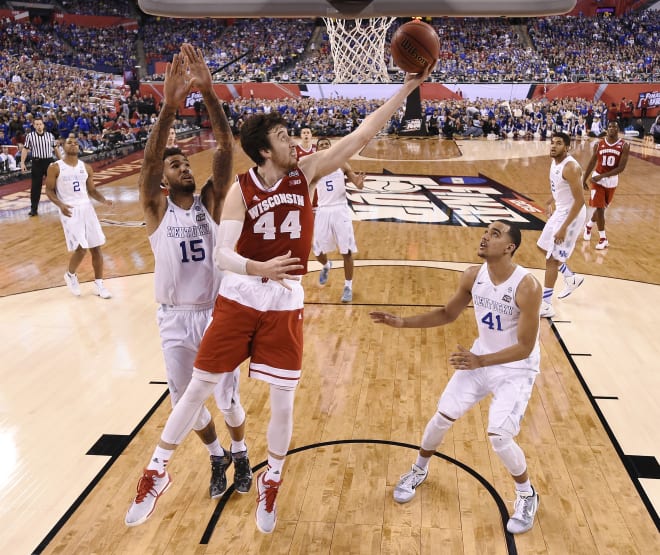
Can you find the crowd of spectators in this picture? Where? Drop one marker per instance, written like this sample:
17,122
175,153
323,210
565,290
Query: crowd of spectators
599,49
473,50
116,8
495,119
549,49
107,49
266,47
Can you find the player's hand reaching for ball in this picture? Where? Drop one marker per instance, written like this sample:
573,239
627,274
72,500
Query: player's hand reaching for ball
423,76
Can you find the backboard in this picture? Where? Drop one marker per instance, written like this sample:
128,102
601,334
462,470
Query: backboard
353,8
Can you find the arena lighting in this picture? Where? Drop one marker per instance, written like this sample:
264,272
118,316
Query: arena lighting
354,8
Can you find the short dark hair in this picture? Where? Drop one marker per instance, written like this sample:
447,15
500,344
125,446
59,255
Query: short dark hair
171,151
254,134
513,233
563,136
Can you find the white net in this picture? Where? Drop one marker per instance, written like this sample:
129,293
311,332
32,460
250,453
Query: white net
358,49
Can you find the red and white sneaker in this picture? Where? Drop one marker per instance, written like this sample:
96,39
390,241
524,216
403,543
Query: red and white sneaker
602,244
149,488
266,513
587,233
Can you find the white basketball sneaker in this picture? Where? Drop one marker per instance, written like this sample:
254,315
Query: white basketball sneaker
266,513
404,491
71,281
150,487
602,244
101,291
524,510
546,310
571,284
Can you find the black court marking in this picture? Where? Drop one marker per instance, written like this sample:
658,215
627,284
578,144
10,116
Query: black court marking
81,498
645,466
626,460
109,445
606,397
504,514
580,354
156,382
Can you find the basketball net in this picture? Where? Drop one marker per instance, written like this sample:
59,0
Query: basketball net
358,49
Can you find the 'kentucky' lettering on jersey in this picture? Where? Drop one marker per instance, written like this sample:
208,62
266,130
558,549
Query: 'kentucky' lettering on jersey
187,232
276,200
492,304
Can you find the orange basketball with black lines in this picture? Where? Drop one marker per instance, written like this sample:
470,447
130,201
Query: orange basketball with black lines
414,45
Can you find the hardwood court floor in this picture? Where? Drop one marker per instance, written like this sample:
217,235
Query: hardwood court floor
77,370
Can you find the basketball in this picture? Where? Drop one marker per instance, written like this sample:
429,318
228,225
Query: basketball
414,45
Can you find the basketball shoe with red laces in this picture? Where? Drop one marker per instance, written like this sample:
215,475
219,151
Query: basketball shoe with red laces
266,513
149,488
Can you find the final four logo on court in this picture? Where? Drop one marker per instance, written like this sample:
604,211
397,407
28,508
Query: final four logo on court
446,200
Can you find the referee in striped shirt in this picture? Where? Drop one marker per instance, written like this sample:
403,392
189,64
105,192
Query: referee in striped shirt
41,144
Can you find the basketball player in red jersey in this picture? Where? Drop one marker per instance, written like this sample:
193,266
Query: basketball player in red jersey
264,241
306,146
608,160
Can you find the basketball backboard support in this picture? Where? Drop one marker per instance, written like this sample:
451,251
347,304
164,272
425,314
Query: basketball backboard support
350,9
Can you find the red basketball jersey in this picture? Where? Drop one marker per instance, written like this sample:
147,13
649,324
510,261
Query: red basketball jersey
608,155
278,220
300,151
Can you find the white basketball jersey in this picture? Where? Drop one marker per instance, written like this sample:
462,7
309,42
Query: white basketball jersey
497,315
561,190
71,184
183,248
331,189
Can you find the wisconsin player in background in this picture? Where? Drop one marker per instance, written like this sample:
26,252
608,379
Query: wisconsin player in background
503,361
601,178
182,233
306,146
264,240
69,186
333,226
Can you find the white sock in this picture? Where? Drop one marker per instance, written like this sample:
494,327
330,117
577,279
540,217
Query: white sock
602,234
238,446
99,282
547,294
348,283
275,467
160,459
422,462
215,449
327,265
525,486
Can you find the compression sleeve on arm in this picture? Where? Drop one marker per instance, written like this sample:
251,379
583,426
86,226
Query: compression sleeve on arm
226,257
